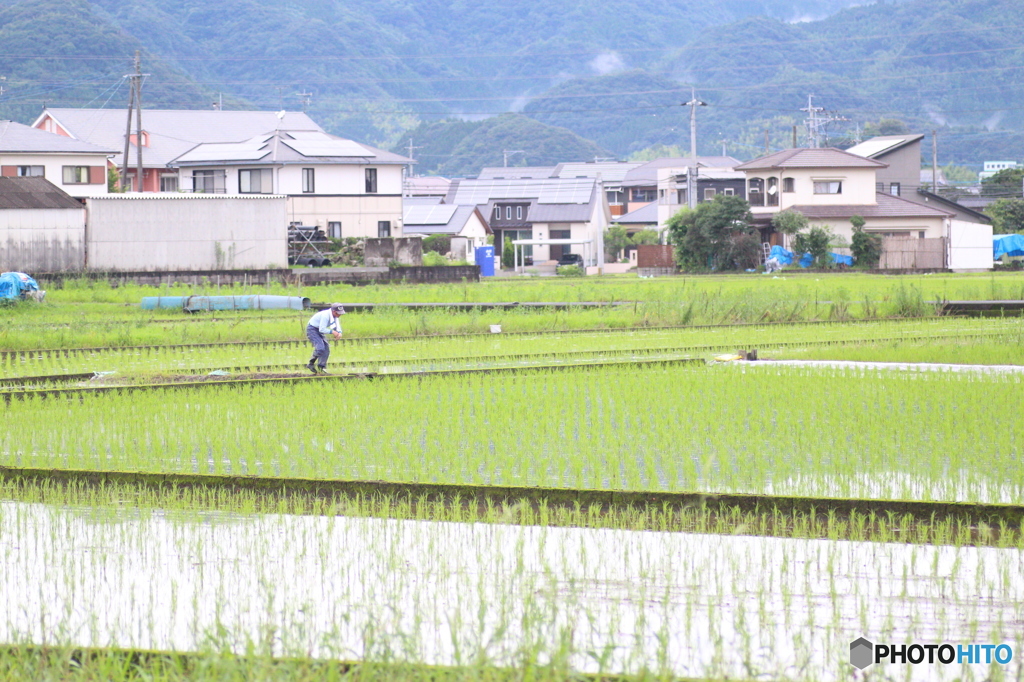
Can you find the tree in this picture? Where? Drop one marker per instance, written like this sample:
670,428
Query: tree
816,242
789,221
645,237
886,126
508,257
1007,215
866,248
438,243
715,235
615,240
961,174
1007,182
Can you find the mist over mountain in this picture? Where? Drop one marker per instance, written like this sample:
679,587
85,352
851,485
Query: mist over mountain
616,74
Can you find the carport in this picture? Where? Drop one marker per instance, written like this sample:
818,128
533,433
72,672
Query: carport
518,258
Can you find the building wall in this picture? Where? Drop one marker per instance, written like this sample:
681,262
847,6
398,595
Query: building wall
186,232
358,215
42,240
970,246
904,168
53,170
931,227
858,186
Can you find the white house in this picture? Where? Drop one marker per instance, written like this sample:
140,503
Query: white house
166,134
79,168
829,186
561,215
464,224
346,188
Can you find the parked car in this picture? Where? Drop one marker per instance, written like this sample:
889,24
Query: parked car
571,259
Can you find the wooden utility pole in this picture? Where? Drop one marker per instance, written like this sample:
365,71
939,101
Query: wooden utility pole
935,163
134,101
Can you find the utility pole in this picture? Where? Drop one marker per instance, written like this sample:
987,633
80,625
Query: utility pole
134,102
2,79
411,150
506,152
691,183
306,98
935,162
816,120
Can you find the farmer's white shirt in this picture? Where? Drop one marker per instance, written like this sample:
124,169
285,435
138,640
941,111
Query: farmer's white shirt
326,322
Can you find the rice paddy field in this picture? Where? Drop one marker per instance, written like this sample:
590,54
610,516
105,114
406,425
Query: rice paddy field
607,491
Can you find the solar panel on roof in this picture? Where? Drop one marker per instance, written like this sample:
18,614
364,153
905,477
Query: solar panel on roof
546,191
869,148
327,147
419,214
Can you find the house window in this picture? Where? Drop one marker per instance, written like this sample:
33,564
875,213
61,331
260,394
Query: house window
334,229
383,227
256,181
788,184
709,194
728,191
76,175
371,180
643,194
519,212
497,212
828,187
308,178
208,181
30,171
920,235
681,196
894,189
508,213
168,183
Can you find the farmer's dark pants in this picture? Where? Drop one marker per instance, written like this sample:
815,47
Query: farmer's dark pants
321,351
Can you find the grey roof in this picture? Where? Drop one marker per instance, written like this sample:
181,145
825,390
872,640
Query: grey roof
888,206
926,176
545,191
953,205
560,213
827,157
422,200
610,171
645,215
427,185
286,147
881,145
516,172
715,174
456,220
34,192
19,138
647,174
172,132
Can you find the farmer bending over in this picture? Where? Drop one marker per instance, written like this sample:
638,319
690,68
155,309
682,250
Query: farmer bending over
320,325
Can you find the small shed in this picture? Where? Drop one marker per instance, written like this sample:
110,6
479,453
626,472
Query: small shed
42,228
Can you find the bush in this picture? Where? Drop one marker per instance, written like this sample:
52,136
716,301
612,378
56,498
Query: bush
347,251
433,259
866,248
508,257
816,242
569,271
438,243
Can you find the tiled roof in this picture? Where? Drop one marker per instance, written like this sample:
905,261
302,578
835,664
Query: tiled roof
18,138
34,192
888,206
811,158
287,146
647,174
883,144
645,215
172,132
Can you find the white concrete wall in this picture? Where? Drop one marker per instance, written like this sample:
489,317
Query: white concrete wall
858,186
358,215
43,240
53,169
186,232
970,246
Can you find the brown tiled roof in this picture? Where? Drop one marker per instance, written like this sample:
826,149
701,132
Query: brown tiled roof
888,206
34,192
811,158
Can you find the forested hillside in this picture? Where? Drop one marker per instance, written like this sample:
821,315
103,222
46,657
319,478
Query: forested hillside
614,73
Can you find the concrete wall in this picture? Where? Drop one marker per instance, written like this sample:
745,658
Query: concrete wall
358,215
970,246
44,240
186,232
381,252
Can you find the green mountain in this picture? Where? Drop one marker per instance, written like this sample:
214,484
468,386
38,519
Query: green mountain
614,73
461,148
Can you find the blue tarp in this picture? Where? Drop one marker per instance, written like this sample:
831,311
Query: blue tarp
13,284
785,257
1009,244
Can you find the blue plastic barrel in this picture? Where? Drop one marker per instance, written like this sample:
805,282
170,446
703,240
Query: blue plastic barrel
485,259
